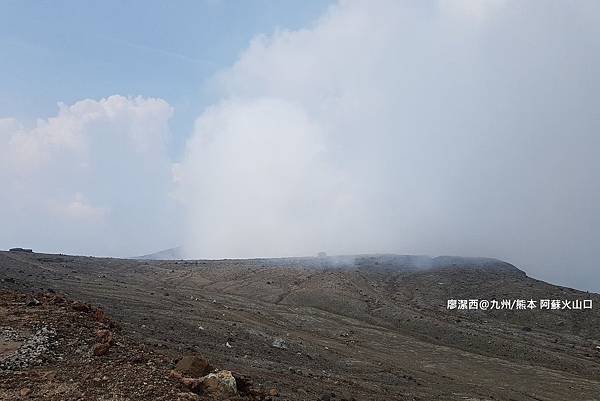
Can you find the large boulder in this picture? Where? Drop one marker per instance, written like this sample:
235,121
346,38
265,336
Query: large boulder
193,366
219,385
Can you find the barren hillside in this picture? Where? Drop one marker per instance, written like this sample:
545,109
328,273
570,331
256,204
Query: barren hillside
367,327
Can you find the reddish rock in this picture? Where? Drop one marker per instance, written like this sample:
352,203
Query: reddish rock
99,315
274,392
190,382
105,336
101,349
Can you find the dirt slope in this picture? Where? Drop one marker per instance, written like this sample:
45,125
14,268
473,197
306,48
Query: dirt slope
368,328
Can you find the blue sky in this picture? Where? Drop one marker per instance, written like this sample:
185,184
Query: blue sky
70,50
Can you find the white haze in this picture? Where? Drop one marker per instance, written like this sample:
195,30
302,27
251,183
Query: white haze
464,128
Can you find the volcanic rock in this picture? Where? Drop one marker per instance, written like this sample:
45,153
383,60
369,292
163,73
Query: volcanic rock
101,349
219,385
193,366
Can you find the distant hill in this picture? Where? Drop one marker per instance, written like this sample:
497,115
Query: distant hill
167,254
382,262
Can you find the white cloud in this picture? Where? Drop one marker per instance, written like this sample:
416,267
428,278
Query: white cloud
396,126
79,208
242,185
478,10
92,179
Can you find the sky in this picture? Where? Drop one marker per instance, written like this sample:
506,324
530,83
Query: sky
257,128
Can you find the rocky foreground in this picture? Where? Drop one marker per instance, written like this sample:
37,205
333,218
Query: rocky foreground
368,328
55,349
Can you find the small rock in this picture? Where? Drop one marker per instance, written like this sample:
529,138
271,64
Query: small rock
279,343
105,336
33,302
274,392
25,391
101,349
99,315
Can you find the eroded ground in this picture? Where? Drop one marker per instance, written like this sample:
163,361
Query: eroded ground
365,333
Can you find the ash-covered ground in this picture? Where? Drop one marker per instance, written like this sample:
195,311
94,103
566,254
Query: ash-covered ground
373,327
